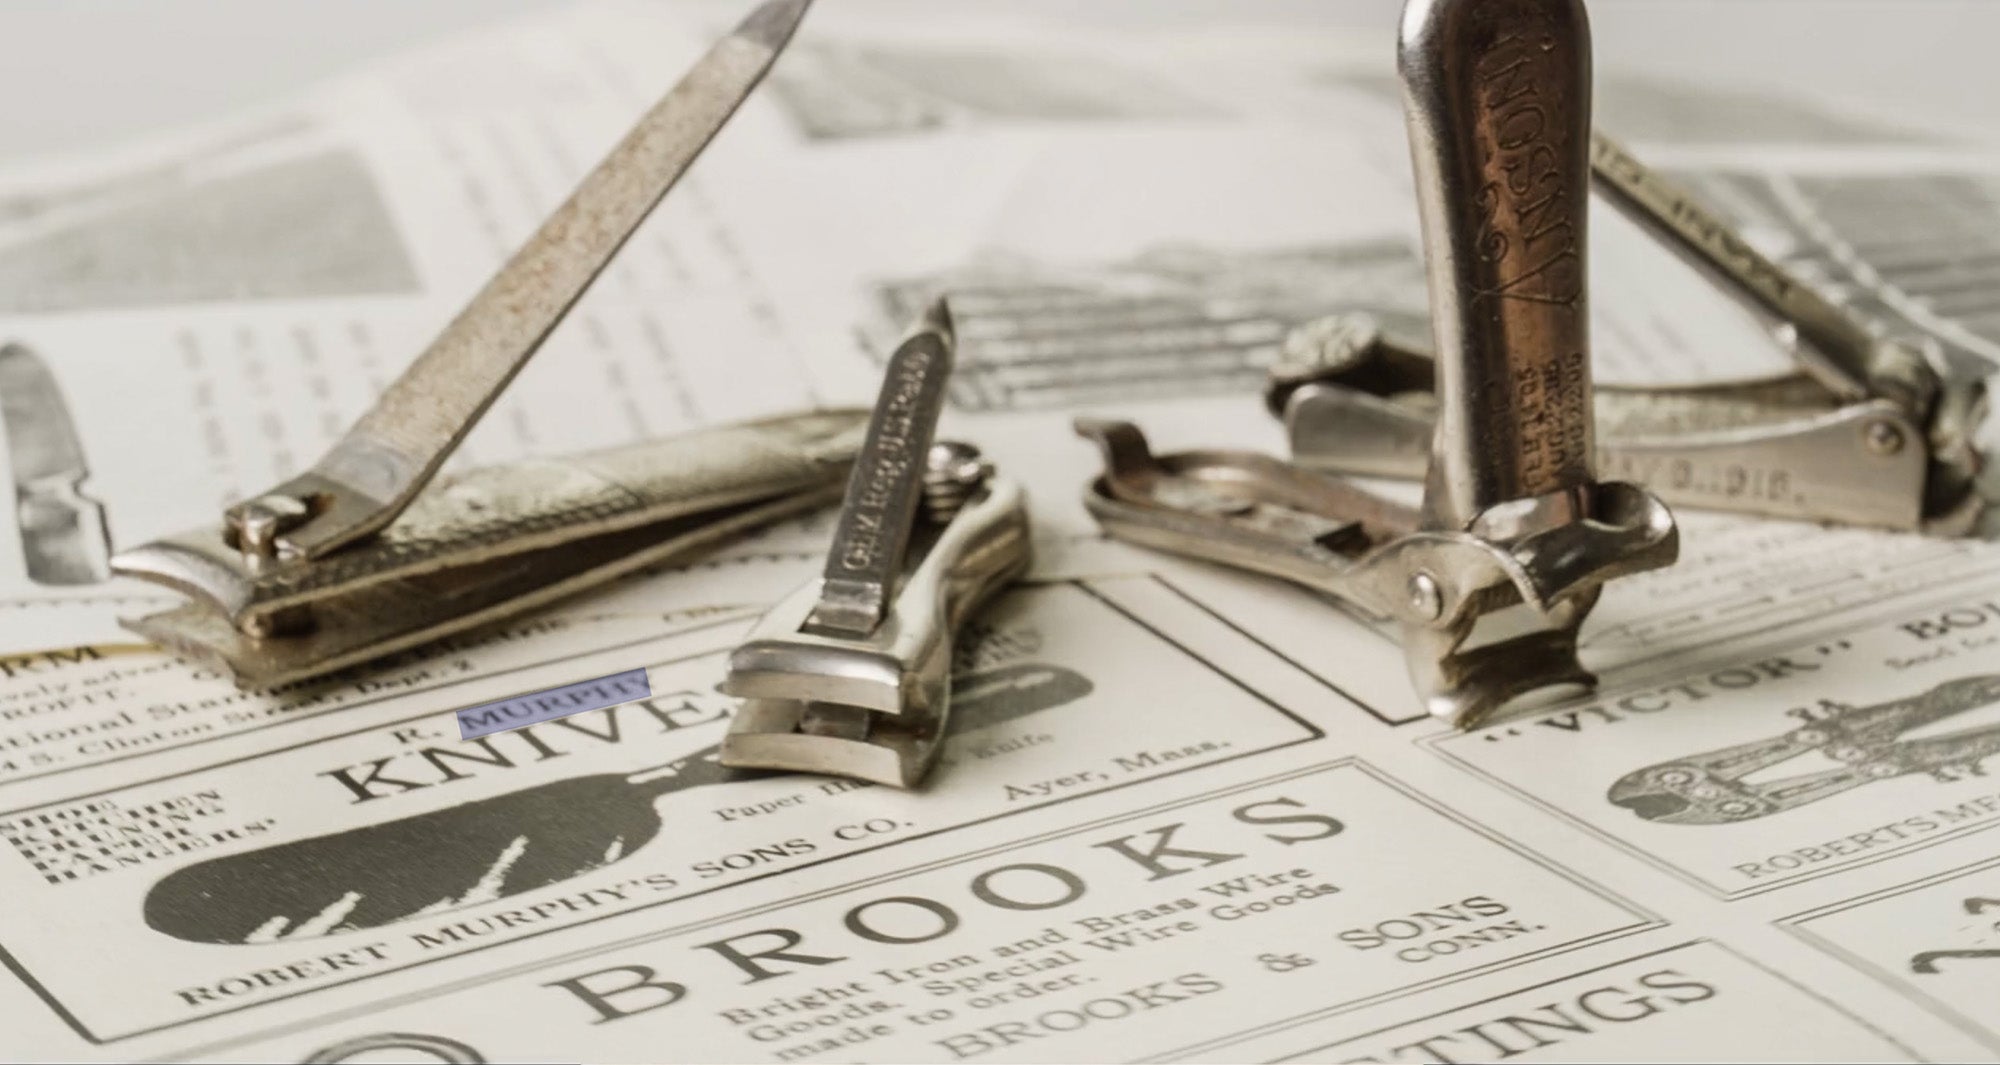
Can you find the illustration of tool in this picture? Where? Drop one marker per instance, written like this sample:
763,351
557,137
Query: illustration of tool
1870,429
851,674
319,573
1926,962
493,848
1175,319
1513,512
1712,788
65,539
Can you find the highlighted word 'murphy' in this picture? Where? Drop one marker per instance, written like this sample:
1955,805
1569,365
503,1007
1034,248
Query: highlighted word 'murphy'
549,704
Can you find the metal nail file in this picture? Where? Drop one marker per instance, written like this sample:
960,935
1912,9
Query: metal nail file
1870,429
851,675
1497,97
361,555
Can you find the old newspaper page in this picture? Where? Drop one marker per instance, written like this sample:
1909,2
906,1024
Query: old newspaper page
1184,814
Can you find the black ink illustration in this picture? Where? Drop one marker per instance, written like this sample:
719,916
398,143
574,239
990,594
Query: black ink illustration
1926,962
64,537
1182,320
310,225
492,848
404,1046
841,90
1866,742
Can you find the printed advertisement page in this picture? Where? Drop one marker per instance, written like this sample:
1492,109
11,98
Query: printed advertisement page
318,862
1167,934
1781,764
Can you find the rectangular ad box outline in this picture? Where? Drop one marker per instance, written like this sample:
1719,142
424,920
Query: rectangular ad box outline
731,616
1644,920
1308,1053
1166,581
1436,744
1312,734
1796,923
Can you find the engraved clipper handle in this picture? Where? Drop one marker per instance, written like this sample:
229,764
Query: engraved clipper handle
1497,97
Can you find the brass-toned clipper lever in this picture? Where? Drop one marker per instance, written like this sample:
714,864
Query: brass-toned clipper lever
1497,97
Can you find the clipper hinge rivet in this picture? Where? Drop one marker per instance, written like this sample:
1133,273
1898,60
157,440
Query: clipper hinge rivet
1884,438
953,473
1426,599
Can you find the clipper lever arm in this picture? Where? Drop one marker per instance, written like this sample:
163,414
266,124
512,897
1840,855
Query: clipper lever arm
851,674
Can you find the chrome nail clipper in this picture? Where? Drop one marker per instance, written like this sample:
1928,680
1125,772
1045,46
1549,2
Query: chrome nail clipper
1497,97
1869,430
851,674
355,558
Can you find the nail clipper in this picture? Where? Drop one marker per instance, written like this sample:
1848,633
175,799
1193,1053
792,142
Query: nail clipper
1497,97
851,674
1869,430
355,558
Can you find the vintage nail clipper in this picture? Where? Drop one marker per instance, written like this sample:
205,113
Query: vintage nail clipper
1870,430
319,573
851,674
1512,513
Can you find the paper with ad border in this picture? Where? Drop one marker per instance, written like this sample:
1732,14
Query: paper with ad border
346,858
1781,763
1936,940
1147,935
1709,996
